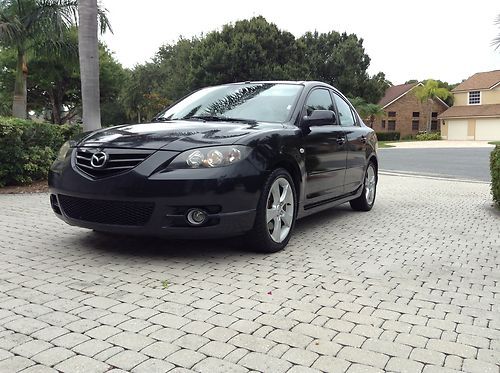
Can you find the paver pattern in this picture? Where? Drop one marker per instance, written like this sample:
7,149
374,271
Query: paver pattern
412,286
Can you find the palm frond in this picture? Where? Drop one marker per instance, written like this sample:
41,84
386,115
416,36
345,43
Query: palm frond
54,16
55,48
102,19
442,93
496,41
10,29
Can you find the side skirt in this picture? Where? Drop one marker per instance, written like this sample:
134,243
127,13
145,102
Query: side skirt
313,208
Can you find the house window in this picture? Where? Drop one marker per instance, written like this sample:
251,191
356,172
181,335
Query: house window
414,125
383,124
434,114
474,97
392,114
434,125
416,114
391,125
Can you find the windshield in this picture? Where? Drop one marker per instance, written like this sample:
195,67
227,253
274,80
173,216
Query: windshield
262,102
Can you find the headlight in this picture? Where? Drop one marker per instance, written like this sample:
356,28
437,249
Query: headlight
218,156
63,152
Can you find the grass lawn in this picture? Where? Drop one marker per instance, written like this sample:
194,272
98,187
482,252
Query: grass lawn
384,144
494,142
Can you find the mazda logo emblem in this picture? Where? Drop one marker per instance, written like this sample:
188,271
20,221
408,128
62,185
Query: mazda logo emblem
99,159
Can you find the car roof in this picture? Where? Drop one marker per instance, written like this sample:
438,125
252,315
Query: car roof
295,82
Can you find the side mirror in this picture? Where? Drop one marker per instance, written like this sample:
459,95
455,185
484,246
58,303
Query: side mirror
320,118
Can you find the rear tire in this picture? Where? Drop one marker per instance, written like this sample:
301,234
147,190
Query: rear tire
276,212
366,200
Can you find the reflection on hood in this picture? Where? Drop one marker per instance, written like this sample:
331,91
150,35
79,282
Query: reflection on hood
178,135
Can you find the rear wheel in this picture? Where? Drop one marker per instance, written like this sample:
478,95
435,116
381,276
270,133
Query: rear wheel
276,213
366,200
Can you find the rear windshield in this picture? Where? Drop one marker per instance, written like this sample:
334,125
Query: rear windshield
262,102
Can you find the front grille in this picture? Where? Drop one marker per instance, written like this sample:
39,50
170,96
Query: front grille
105,211
119,161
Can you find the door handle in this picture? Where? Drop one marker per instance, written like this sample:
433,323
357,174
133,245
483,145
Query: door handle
363,139
340,140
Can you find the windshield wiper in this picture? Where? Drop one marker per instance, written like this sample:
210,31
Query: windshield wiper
161,119
215,118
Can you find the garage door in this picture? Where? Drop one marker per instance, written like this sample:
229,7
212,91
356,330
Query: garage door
488,129
457,129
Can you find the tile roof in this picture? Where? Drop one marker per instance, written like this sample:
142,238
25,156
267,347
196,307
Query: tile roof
469,111
394,92
484,80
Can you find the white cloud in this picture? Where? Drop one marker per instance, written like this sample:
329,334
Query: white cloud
447,40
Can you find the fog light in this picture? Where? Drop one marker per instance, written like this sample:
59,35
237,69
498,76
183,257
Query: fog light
196,216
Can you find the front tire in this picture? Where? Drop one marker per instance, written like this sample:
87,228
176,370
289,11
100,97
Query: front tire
366,200
276,212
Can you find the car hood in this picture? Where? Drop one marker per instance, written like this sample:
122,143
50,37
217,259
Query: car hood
174,135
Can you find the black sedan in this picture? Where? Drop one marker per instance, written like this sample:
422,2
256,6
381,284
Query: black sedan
237,159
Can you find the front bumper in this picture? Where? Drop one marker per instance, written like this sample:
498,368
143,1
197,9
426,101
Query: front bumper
143,201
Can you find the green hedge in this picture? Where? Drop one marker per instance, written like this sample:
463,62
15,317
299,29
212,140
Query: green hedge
388,136
27,148
428,136
495,174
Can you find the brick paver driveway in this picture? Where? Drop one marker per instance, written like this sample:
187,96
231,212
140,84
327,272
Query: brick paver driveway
412,286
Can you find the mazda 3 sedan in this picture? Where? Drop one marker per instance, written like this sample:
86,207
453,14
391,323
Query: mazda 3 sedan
243,159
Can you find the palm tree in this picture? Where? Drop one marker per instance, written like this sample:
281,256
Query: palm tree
367,110
428,93
374,111
496,41
32,26
90,17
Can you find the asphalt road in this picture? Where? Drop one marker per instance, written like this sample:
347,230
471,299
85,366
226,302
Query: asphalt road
456,163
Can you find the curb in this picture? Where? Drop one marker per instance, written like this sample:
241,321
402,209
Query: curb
430,176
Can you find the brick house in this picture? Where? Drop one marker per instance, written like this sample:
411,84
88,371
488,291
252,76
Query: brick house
476,112
404,113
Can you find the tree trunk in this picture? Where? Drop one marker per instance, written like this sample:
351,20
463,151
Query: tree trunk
19,104
429,103
56,107
89,63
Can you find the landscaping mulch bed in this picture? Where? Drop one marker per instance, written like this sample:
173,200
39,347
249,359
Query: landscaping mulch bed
36,187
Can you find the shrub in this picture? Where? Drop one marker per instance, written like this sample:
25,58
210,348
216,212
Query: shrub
408,137
388,136
428,136
27,148
495,174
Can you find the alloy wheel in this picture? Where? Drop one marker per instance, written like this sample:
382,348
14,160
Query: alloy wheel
280,210
370,184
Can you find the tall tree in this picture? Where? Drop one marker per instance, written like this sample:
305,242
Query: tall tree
428,93
251,49
340,60
7,78
112,76
32,26
54,88
141,95
374,88
173,63
88,49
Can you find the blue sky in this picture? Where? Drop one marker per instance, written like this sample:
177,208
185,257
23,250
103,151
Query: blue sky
447,40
